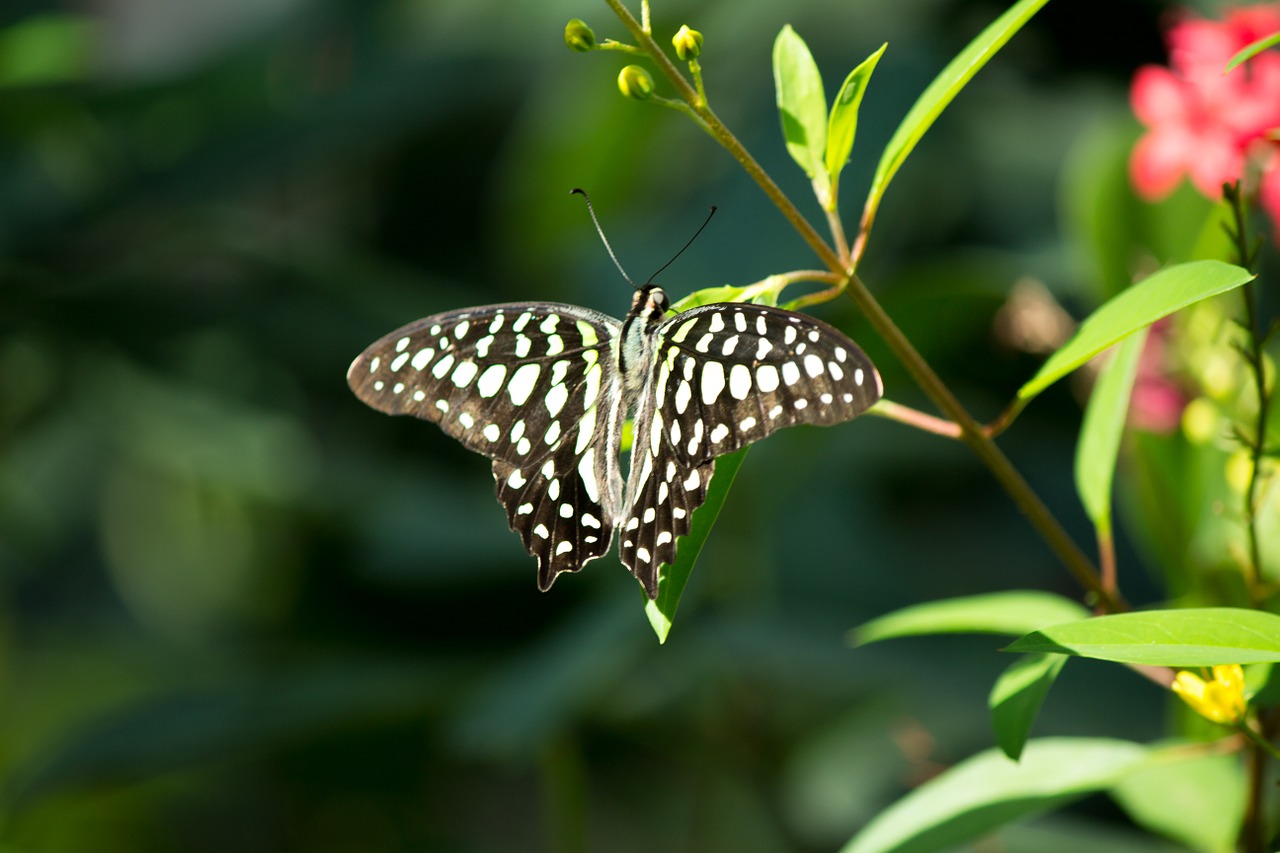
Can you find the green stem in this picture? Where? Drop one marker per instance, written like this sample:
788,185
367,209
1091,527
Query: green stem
1256,360
972,433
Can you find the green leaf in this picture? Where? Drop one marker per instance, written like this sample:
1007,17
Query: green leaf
1102,429
1249,51
672,579
1140,305
1184,638
802,106
842,125
943,90
1017,696
1196,802
989,790
1014,613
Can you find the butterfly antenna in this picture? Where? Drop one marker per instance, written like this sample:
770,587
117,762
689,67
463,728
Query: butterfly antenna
686,245
603,239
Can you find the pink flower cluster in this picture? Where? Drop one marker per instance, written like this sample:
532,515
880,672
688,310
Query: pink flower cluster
1212,126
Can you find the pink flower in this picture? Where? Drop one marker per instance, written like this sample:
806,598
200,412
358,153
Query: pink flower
1158,399
1204,124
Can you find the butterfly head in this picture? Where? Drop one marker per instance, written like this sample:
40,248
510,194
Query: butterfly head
650,302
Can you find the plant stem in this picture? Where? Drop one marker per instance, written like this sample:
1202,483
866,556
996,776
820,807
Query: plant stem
1257,361
1253,838
971,432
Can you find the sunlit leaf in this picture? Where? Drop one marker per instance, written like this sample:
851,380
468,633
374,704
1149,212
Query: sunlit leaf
842,126
1014,613
1103,427
672,579
1016,698
1197,801
990,790
1185,638
802,105
943,90
1140,305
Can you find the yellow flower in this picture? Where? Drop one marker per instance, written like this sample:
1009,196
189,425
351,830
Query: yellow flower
1221,699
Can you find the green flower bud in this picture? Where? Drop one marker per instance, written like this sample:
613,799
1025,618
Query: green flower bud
688,43
578,36
635,82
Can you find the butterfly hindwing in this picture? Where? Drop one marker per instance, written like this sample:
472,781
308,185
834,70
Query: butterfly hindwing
533,387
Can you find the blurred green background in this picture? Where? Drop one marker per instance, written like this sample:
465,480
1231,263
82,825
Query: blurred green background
241,611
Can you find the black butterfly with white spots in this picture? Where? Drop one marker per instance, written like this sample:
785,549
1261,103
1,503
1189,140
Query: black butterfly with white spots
543,390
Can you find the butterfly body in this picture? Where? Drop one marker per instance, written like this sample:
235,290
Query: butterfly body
543,390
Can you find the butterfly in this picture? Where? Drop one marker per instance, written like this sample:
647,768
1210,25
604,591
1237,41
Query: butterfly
543,389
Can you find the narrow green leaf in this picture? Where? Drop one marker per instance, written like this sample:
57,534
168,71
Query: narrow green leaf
1017,696
943,90
802,104
672,579
1185,638
1196,802
1140,305
842,125
989,790
1014,613
1249,51
1102,429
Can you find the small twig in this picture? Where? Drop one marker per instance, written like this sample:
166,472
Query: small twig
916,418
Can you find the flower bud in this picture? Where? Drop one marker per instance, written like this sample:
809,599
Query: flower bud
578,36
635,82
688,43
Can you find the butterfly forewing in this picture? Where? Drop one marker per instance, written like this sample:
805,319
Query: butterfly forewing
531,386
723,376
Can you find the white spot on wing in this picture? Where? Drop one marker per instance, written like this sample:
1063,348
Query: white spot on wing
556,399
790,373
522,382
719,434
813,365
465,372
739,381
712,380
586,473
492,432
564,547
443,366
398,361
683,394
